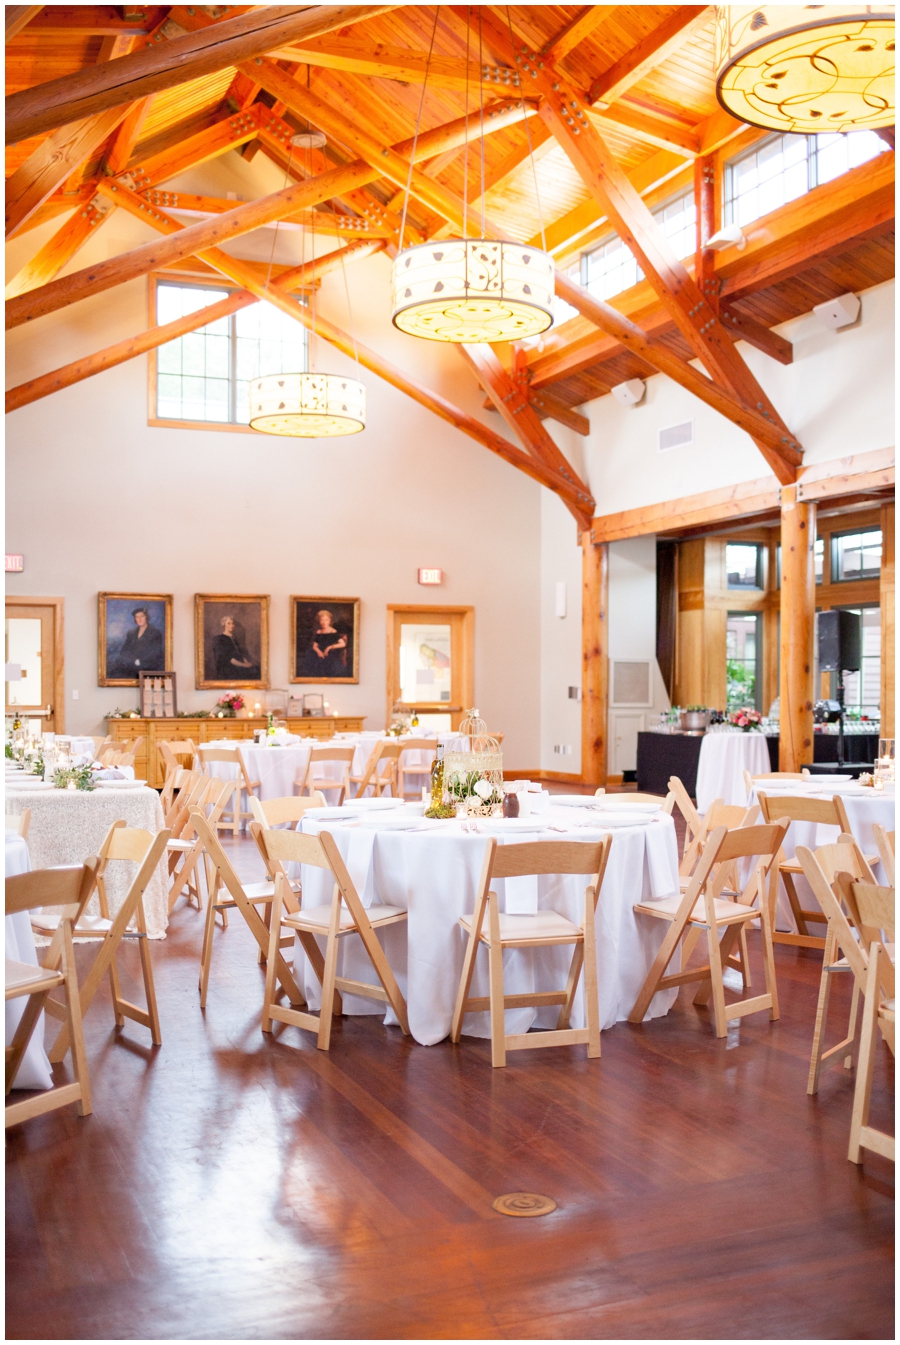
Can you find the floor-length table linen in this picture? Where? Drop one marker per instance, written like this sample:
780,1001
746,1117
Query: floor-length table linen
865,807
433,874
723,759
68,825
34,1071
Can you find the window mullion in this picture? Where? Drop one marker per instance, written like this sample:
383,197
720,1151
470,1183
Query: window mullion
232,369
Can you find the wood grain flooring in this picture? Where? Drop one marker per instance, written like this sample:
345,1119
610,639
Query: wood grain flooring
232,1186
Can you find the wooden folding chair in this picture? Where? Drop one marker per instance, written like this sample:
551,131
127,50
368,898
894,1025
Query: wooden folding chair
415,745
177,779
274,813
343,915
703,904
693,824
19,822
225,877
177,753
751,781
845,951
544,929
233,756
212,799
874,907
67,890
884,843
383,753
129,844
131,909
718,814
313,781
626,796
797,808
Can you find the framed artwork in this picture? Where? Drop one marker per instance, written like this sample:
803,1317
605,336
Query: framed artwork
231,640
324,639
134,636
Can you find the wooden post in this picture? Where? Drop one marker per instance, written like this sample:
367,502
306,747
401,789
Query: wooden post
595,660
886,598
707,224
798,603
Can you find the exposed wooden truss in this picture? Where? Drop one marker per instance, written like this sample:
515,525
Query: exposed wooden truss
52,162
671,34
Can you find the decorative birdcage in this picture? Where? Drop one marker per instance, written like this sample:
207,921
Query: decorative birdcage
473,770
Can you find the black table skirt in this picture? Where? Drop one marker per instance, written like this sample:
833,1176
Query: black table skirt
661,755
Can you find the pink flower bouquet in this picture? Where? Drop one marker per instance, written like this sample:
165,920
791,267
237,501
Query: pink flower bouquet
745,719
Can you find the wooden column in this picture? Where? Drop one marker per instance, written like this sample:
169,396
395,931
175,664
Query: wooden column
705,195
798,605
594,660
886,598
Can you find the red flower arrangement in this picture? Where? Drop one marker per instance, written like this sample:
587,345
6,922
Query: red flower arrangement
745,719
230,703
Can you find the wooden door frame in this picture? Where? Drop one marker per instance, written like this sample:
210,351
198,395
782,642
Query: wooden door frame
59,658
467,659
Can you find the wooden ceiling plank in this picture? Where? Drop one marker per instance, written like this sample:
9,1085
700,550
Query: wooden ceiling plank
509,395
299,277
576,30
785,450
17,16
85,20
52,162
49,260
650,130
647,54
88,92
124,139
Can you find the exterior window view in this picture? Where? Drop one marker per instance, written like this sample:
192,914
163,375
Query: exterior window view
450,732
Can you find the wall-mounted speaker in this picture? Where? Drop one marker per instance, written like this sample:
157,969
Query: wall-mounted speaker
839,641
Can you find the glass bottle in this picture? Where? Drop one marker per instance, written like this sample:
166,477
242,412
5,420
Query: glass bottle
437,778
414,722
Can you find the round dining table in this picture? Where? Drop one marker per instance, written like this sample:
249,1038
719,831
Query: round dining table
724,756
34,1070
431,870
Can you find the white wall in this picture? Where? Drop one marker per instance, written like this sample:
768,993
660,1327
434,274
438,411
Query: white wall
98,500
560,637
632,635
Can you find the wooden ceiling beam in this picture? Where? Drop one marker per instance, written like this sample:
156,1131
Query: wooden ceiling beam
576,30
375,60
776,444
100,88
509,394
299,277
655,131
149,170
55,158
547,405
82,21
49,260
17,16
647,54
124,139
318,221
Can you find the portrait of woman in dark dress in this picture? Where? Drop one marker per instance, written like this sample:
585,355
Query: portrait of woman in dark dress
143,649
325,639
232,661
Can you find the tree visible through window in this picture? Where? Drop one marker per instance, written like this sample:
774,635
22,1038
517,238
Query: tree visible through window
743,652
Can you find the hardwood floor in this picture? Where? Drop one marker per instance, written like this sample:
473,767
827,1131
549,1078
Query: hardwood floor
234,1186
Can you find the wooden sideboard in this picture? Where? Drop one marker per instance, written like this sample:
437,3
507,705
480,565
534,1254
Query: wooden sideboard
149,766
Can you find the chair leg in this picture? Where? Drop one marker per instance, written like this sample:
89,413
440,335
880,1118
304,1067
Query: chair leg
209,926
716,981
815,1058
465,980
147,972
327,1011
75,1025
495,959
116,992
591,991
768,949
565,1009
794,900
274,912
853,1029
862,1093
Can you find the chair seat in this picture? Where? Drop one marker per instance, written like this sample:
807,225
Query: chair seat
181,846
319,917
541,925
667,909
19,974
89,926
794,866
264,891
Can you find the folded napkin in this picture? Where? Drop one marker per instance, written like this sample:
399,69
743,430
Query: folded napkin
110,774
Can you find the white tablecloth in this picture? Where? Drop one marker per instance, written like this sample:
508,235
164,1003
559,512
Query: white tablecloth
68,825
34,1071
864,807
433,874
723,759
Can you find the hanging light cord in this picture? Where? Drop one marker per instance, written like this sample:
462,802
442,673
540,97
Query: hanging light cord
530,145
466,130
481,90
412,157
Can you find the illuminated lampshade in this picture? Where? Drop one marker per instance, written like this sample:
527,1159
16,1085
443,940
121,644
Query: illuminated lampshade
806,69
307,406
472,290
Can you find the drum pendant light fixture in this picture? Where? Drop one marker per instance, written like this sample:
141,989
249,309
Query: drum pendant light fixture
806,69
307,405
471,289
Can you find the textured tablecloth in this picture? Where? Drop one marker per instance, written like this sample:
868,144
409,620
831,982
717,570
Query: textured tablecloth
864,807
68,825
723,759
433,874
34,1071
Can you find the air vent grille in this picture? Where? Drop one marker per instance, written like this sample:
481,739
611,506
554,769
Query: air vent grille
676,436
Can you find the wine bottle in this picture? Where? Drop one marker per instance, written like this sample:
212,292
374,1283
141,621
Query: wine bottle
437,778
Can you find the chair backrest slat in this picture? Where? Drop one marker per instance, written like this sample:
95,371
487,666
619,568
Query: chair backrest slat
69,886
332,753
884,840
276,812
875,906
798,808
537,857
295,847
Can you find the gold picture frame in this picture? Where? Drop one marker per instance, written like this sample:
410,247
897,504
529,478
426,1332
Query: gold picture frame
119,648
335,661
241,649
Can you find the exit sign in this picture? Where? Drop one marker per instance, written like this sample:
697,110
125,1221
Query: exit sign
431,576
16,564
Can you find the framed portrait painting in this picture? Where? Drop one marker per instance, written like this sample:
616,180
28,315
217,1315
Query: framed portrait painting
231,640
324,639
134,636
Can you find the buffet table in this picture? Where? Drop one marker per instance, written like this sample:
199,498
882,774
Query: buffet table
723,759
660,755
432,872
68,825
